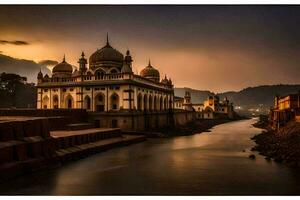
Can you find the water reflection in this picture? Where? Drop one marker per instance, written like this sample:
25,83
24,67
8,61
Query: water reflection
207,163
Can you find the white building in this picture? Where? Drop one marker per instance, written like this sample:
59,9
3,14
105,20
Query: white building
107,84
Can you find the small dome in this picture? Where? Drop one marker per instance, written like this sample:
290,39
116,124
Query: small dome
76,73
150,73
62,67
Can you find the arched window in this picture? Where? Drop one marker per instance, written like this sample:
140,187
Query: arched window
100,102
99,74
114,99
55,102
87,102
45,102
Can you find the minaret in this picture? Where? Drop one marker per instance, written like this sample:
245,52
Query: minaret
40,76
128,59
82,63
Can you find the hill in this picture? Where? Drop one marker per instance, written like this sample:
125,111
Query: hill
249,97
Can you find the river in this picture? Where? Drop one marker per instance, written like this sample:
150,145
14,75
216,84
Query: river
210,163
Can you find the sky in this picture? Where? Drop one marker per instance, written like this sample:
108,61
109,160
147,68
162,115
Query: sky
217,48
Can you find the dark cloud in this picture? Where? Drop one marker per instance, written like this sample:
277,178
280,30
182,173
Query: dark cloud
46,63
27,68
15,42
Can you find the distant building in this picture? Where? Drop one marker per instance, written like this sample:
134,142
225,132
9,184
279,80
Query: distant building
210,109
286,108
178,102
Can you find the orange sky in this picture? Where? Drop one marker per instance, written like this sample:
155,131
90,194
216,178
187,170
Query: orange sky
219,59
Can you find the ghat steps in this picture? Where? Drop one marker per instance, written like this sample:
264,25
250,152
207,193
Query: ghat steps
27,144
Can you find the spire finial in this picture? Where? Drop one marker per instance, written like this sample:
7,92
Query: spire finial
149,64
107,41
64,59
82,54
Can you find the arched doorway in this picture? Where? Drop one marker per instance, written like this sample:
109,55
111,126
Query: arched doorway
55,102
165,103
100,102
145,102
160,103
87,102
45,102
170,104
69,102
155,104
114,101
150,103
139,102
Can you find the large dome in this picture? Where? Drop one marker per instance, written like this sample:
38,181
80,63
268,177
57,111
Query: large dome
63,67
106,56
150,73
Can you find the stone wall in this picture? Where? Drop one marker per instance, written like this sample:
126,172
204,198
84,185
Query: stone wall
142,121
58,118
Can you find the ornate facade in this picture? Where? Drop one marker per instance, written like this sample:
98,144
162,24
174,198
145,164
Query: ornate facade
104,84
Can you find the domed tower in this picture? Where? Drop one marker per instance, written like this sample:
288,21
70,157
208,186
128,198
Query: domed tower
107,57
150,73
40,76
62,69
82,63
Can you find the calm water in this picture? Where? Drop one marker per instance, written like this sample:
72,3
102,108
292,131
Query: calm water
208,163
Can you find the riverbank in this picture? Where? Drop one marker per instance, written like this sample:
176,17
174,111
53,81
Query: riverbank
281,146
197,126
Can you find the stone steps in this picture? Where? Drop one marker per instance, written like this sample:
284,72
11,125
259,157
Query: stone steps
81,151
27,145
66,139
12,169
79,126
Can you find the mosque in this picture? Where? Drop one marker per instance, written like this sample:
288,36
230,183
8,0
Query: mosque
105,83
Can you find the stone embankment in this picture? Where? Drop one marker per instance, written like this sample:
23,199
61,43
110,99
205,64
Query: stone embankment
282,145
190,128
194,127
28,145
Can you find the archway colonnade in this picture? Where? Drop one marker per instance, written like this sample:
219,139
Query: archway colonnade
148,102
100,103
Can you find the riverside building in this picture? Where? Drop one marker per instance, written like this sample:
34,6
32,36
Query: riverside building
104,83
